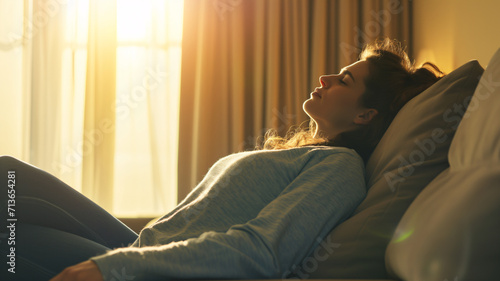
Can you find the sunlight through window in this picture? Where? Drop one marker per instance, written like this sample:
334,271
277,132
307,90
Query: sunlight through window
147,84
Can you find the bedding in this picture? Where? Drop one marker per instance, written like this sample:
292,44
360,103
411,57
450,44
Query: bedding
457,239
412,152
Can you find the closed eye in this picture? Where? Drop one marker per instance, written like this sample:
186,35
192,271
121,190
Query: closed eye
346,73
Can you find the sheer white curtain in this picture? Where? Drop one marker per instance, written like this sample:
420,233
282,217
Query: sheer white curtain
148,81
90,94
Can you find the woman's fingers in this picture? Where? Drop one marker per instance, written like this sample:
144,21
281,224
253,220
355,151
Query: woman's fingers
85,271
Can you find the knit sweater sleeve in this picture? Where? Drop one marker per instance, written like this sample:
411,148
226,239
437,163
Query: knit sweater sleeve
282,235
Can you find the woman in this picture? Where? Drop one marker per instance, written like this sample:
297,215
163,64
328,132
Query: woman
256,214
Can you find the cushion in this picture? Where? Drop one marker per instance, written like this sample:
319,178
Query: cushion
411,153
451,230
478,137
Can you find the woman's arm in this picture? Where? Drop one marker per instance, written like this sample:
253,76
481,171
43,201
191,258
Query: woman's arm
282,235
289,228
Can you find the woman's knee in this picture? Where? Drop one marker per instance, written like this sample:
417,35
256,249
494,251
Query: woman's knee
9,161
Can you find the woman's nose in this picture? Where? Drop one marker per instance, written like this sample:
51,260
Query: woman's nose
325,80
322,81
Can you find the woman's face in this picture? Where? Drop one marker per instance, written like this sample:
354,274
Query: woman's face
336,105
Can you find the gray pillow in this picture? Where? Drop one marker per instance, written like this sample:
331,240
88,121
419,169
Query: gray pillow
412,152
451,230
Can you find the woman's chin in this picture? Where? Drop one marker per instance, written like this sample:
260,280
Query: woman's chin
307,107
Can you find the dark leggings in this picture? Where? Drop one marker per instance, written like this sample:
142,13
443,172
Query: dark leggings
55,226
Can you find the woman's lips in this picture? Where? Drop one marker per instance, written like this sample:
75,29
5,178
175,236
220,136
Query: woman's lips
316,94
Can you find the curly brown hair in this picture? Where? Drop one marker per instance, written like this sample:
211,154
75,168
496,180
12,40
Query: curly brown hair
392,81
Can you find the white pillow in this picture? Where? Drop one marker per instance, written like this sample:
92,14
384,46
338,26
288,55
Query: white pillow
478,136
451,230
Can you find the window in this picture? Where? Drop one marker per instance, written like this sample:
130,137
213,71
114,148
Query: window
44,49
148,58
147,106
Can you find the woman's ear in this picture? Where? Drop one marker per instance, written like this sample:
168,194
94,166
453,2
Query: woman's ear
365,116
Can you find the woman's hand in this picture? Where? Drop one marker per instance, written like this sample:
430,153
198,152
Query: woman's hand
83,271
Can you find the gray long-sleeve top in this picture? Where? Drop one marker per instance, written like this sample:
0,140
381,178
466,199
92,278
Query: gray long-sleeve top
256,214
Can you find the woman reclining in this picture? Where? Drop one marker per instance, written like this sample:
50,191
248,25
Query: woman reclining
256,214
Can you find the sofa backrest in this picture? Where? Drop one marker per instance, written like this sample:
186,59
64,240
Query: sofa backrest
451,230
412,152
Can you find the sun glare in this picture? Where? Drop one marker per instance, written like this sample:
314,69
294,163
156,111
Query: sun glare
149,34
133,19
136,17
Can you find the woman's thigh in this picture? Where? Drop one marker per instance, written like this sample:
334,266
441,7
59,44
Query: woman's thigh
42,199
40,253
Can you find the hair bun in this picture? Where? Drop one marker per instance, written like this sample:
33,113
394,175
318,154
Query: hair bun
428,73
418,80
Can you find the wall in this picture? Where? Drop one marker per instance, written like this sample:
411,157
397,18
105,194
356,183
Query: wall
452,32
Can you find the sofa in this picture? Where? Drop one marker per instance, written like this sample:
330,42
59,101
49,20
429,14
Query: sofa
432,211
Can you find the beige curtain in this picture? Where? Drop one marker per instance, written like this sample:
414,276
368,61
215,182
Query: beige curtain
251,65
